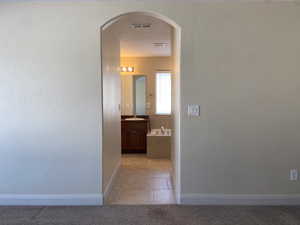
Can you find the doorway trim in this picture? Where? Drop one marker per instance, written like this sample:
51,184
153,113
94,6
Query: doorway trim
176,98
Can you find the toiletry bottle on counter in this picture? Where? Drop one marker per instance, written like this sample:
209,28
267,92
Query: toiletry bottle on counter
162,129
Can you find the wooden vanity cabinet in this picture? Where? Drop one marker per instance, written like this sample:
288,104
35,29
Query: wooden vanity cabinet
134,136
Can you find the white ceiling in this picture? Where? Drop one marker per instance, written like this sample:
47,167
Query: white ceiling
139,42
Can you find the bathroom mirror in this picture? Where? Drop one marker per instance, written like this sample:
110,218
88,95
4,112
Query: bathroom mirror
139,94
134,92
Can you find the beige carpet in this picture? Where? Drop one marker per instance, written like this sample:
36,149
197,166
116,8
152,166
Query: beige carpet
150,215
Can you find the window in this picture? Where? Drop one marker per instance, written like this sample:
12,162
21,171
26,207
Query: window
163,93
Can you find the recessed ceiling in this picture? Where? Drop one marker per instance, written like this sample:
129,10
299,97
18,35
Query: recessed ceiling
143,36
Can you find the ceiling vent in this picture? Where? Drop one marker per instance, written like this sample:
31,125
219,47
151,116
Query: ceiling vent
160,44
141,25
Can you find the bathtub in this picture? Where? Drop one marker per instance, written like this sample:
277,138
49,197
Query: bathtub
159,144
158,132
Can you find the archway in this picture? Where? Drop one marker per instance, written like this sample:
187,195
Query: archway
109,138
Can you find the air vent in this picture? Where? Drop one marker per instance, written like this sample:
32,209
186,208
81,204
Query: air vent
141,25
160,44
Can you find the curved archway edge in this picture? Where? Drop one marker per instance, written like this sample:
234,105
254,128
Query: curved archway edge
146,13
177,118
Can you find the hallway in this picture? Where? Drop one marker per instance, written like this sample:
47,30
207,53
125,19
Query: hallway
142,181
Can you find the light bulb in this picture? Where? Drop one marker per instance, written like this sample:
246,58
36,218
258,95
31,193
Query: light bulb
130,69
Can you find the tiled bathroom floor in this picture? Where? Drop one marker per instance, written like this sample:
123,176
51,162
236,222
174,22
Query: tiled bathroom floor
142,181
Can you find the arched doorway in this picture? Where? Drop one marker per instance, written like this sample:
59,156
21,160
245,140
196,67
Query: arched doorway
111,100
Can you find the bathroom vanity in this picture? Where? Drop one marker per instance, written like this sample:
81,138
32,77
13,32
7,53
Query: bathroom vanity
134,129
134,134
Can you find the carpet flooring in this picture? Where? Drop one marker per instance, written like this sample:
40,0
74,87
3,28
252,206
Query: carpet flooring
151,215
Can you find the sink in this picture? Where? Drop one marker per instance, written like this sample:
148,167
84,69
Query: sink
134,118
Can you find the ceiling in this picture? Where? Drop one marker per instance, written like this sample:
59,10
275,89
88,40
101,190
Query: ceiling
143,36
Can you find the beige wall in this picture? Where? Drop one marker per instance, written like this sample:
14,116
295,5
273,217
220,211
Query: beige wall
111,148
127,95
242,68
176,113
240,62
149,66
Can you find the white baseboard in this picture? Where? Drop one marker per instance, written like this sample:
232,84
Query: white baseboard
223,199
50,200
108,187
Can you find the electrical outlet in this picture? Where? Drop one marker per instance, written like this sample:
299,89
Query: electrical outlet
293,174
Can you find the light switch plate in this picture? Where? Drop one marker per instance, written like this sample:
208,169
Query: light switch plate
293,174
193,110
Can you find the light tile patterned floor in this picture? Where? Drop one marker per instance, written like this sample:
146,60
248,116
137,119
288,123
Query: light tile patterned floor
142,181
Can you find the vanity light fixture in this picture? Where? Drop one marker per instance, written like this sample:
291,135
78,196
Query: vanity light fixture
129,69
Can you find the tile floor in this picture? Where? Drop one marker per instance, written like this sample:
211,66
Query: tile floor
141,180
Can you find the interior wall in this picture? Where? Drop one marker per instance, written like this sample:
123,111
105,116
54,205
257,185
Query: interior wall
50,94
176,113
149,66
244,74
240,62
127,95
111,148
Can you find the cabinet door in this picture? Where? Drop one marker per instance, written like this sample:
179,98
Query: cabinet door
134,140
123,133
134,136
